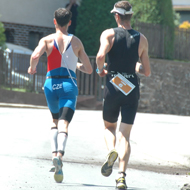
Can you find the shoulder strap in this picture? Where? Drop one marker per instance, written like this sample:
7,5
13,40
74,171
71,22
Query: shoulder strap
70,36
68,42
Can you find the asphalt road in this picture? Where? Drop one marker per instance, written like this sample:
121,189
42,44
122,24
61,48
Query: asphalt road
160,150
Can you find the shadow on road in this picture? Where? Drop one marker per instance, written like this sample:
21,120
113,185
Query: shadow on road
98,186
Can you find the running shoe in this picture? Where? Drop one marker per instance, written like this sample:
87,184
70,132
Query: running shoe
106,169
121,184
52,169
58,176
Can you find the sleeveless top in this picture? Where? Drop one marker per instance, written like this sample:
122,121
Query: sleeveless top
59,63
122,58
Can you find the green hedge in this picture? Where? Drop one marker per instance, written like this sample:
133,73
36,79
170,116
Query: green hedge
157,12
153,11
2,35
93,18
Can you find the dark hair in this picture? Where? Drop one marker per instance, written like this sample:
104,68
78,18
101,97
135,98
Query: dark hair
62,16
124,5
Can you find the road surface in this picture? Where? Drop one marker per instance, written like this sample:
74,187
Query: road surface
159,160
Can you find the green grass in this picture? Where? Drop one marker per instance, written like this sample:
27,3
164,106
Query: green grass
14,89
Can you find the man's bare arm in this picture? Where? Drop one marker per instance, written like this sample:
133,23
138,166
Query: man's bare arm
144,66
103,50
85,65
105,46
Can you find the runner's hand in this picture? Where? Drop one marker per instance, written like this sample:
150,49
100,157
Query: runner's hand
103,73
32,71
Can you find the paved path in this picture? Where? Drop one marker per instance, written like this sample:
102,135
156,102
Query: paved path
32,174
157,141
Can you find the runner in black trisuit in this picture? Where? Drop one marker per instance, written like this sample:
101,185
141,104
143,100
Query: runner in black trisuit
124,47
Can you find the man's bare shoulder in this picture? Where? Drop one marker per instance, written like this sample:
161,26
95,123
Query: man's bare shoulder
75,38
48,38
143,38
76,41
77,45
108,33
143,41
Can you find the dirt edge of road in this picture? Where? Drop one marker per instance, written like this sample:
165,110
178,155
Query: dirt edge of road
172,170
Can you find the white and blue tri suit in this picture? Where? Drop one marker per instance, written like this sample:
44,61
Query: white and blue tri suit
60,87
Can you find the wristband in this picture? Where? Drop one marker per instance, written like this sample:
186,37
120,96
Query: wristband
99,71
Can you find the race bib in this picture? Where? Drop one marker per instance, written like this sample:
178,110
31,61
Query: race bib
124,85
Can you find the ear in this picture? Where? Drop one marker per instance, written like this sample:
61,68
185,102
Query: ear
116,16
54,21
69,23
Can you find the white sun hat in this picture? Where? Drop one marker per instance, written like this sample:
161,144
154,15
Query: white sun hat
121,11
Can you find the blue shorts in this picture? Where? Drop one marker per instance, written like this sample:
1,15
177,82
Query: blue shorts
60,93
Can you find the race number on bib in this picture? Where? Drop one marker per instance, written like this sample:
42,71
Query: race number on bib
124,85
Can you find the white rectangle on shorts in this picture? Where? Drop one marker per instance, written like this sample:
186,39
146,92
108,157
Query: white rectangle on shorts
123,84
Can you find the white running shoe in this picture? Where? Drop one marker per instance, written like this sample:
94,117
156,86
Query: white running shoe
58,176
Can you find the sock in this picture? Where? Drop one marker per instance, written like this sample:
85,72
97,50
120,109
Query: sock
62,139
121,174
53,135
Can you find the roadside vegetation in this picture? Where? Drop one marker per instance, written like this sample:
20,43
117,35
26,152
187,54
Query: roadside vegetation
2,36
93,18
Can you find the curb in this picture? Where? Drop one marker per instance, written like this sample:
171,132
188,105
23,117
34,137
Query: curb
8,105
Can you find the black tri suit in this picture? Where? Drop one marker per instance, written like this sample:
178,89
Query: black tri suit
122,58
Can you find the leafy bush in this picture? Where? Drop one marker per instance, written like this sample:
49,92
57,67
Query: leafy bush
153,11
176,18
2,35
93,18
157,12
